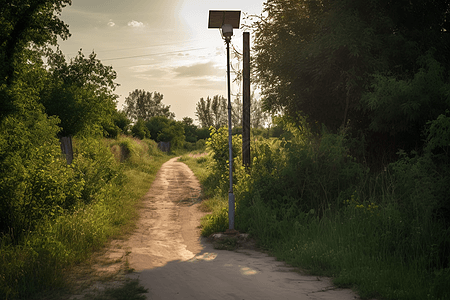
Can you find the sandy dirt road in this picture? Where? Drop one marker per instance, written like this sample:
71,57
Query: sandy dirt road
173,262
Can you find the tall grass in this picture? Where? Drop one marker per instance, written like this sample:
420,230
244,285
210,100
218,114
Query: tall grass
39,261
384,234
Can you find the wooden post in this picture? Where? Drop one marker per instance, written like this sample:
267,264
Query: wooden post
246,103
66,148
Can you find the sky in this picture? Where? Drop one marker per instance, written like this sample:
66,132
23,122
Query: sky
158,45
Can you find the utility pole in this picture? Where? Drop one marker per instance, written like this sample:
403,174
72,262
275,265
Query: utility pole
246,103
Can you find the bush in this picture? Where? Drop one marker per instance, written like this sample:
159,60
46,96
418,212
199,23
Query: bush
218,146
202,133
139,130
96,167
35,181
104,202
304,173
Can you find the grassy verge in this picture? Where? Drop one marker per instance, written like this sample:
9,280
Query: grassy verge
349,247
214,202
36,266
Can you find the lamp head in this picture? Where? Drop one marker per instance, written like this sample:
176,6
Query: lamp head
227,31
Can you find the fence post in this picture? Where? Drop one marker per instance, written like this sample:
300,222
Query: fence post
66,148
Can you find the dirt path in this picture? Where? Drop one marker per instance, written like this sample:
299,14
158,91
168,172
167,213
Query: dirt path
169,217
171,260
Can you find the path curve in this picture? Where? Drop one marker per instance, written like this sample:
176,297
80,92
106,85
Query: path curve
173,262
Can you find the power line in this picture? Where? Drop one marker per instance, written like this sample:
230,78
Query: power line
146,47
153,54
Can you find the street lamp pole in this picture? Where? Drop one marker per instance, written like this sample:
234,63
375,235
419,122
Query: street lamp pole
230,143
226,21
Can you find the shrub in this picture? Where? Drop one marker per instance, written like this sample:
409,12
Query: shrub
139,130
300,174
35,182
218,146
96,166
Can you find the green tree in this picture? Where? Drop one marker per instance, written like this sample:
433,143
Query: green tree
163,129
119,124
203,133
121,120
145,105
319,58
190,130
26,22
26,25
203,112
80,93
35,182
155,126
140,130
281,37
174,133
404,106
212,112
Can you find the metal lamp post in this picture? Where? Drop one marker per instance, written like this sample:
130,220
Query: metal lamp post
226,21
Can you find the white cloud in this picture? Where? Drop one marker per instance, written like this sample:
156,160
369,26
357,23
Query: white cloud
135,24
198,70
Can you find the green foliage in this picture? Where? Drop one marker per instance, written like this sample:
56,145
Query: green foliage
145,105
301,173
135,153
35,181
438,134
160,129
190,130
139,130
370,65
203,133
156,125
217,221
174,133
119,124
106,203
121,121
25,23
218,147
96,167
80,93
404,106
385,234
